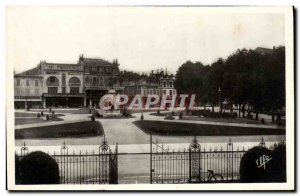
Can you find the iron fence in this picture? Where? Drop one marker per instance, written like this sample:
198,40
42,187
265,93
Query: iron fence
195,164
84,167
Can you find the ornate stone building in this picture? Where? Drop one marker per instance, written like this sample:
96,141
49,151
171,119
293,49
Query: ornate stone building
62,85
160,83
99,76
66,85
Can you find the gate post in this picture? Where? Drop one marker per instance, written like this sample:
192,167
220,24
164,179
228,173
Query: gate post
194,162
113,166
151,158
190,167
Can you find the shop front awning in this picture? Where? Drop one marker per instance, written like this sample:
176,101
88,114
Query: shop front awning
63,95
28,98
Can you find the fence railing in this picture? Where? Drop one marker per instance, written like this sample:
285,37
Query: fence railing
84,167
196,164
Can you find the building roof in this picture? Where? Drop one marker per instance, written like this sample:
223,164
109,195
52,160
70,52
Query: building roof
97,61
31,72
61,64
262,50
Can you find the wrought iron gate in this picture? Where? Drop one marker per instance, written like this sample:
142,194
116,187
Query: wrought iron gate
84,167
194,165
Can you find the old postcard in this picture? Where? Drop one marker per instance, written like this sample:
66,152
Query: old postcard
150,98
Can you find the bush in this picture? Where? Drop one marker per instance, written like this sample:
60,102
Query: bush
53,112
93,118
262,121
279,162
252,168
37,168
200,112
142,117
180,115
173,113
126,113
209,114
249,116
42,113
170,117
38,115
158,112
47,117
278,120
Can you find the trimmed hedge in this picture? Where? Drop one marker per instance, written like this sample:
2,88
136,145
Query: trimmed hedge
78,129
194,129
208,113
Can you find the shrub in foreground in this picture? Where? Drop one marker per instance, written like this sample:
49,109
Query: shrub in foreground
37,168
279,163
256,165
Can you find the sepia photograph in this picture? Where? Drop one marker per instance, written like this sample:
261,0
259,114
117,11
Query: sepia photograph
150,98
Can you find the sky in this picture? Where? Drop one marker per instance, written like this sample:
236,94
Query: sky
141,38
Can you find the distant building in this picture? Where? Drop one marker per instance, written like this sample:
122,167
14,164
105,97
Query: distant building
99,77
28,89
264,51
62,85
159,83
167,83
66,85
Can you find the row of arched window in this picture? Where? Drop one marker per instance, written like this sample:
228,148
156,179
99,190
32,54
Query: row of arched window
53,81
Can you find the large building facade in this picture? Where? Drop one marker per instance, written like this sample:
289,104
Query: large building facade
66,85
62,85
160,83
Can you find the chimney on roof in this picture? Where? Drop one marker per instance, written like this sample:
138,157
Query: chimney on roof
81,57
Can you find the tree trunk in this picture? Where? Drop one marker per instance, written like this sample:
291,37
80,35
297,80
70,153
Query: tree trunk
239,105
243,110
231,108
213,108
273,116
256,114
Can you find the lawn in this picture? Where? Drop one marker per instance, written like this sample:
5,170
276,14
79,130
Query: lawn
22,118
64,110
193,129
24,114
23,121
79,129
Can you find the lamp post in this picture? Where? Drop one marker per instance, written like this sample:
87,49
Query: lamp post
220,103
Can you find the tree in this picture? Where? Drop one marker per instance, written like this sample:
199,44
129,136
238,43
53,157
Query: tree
245,77
190,79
